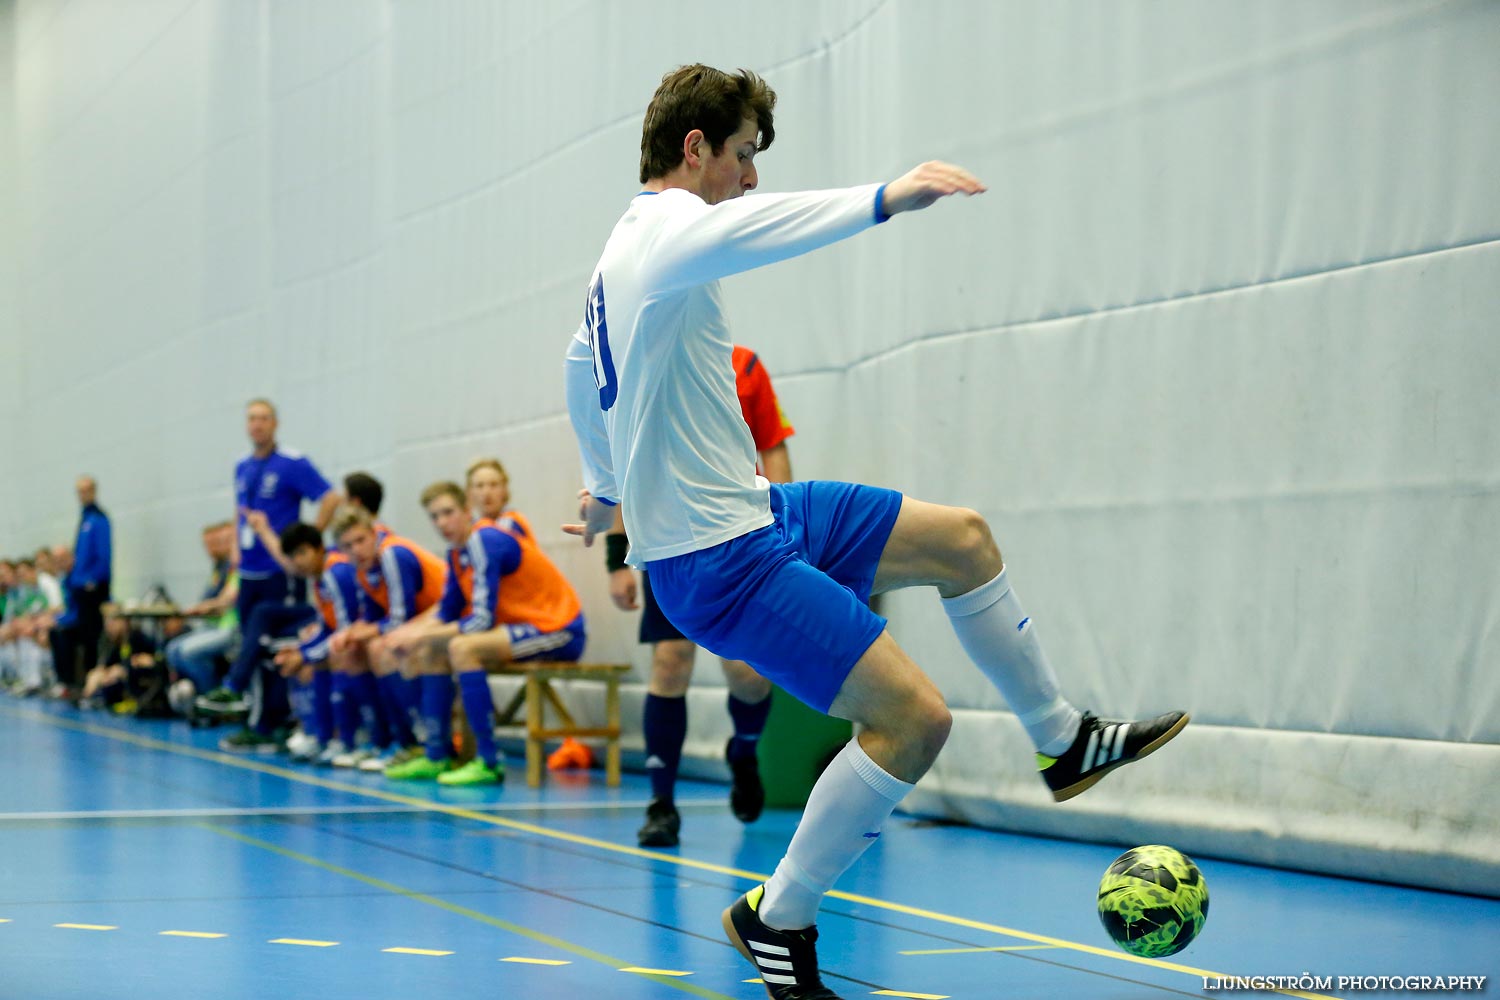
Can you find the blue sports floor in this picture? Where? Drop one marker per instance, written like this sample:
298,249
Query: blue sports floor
136,861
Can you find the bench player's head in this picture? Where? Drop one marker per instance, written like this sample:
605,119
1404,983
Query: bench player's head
448,508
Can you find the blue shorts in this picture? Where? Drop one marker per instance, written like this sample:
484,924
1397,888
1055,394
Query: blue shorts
791,599
527,642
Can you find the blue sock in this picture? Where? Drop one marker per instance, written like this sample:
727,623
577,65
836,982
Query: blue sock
480,708
409,694
665,722
295,701
749,723
345,708
437,714
393,699
300,697
364,689
322,696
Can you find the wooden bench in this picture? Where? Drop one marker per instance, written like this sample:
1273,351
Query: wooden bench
538,692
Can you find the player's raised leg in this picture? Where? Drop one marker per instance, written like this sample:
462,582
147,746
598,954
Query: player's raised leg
953,549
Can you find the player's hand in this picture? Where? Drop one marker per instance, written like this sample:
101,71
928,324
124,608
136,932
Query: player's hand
289,661
339,641
597,517
925,184
257,519
306,632
622,589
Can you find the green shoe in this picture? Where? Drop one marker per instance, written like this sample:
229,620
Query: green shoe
475,772
249,741
222,701
408,753
421,768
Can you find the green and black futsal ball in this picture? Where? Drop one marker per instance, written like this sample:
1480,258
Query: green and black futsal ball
1153,901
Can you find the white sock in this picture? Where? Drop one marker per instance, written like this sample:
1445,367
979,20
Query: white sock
842,819
1001,641
29,657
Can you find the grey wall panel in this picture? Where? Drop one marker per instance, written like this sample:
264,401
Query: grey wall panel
1215,355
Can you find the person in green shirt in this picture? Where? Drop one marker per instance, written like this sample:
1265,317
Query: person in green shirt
22,656
195,657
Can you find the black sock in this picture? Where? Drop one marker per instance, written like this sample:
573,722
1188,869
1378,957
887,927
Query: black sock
665,722
749,723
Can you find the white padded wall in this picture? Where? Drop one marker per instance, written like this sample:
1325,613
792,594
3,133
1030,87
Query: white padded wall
1215,355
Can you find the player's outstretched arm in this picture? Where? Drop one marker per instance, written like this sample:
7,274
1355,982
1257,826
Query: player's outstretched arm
925,184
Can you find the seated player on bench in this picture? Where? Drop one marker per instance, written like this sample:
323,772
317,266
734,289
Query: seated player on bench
399,581
505,602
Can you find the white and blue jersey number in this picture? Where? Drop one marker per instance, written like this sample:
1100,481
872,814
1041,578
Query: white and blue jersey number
604,362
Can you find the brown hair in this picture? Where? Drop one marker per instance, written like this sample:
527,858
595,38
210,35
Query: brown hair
485,463
260,401
444,488
351,517
702,97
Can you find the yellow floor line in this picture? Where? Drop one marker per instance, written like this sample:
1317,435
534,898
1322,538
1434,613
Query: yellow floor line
536,961
970,951
910,996
192,934
147,742
87,927
416,951
303,942
656,972
462,911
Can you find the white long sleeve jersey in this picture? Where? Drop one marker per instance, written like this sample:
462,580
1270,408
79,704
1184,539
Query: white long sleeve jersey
650,380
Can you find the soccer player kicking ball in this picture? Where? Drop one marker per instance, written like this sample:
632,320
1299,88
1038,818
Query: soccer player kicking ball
780,575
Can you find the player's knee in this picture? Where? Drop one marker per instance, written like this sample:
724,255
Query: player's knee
930,725
672,667
976,554
463,655
976,540
744,683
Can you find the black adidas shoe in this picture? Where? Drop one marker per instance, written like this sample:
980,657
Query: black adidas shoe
1103,745
786,960
662,825
747,796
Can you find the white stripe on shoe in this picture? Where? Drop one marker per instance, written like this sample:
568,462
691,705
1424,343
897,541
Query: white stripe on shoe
1088,751
769,949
